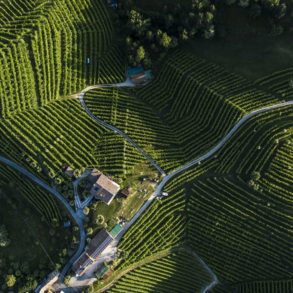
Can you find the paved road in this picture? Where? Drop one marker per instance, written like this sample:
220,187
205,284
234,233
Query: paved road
126,84
177,171
220,144
78,204
158,189
61,199
197,160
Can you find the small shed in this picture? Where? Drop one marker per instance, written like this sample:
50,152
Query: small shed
139,75
125,192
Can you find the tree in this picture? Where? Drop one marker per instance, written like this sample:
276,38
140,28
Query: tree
174,42
4,240
209,17
255,10
30,284
76,173
89,231
140,54
137,22
244,3
166,40
255,175
184,35
209,32
149,35
280,11
10,280
67,280
86,210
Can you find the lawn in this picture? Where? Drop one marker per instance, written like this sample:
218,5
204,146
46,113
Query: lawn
141,188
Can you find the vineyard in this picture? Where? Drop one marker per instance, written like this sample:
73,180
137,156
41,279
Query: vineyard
232,210
190,105
37,241
63,134
280,82
228,215
37,197
284,286
178,272
54,48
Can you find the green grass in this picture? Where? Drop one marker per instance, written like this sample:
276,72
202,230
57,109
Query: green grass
125,207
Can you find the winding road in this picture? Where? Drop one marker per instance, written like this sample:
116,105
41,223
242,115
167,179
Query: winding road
197,160
62,200
177,171
160,186
181,169
125,84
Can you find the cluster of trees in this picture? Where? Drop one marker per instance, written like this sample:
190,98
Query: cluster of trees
19,278
276,8
150,34
278,12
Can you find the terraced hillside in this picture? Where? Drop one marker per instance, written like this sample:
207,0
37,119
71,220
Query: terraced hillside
177,272
43,202
61,133
53,48
233,210
285,286
190,106
280,82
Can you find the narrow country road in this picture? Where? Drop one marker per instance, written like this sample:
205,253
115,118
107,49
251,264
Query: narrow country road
62,200
160,186
197,160
125,84
177,171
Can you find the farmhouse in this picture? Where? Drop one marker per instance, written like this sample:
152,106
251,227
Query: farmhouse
103,188
96,246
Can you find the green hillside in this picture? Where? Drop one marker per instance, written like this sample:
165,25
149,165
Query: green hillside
234,217
54,48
